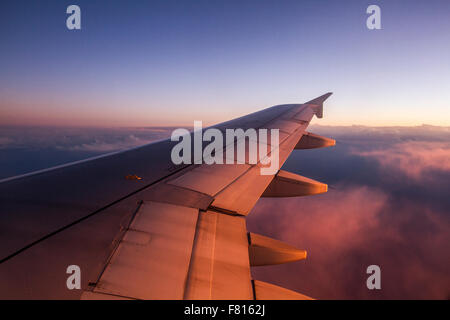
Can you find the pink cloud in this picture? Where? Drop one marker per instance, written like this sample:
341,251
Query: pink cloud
414,158
349,229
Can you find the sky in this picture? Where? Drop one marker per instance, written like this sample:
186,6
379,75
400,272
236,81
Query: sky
168,63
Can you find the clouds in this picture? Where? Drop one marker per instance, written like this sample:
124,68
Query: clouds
388,206
5,141
99,145
79,139
349,229
26,149
414,158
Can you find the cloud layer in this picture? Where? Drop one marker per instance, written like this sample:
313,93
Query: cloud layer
388,204
414,158
378,211
26,149
349,229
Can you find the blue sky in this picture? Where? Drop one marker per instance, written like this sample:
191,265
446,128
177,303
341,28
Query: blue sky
171,62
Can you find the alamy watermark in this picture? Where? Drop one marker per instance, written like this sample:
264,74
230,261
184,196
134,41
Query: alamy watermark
74,280
239,146
73,21
373,22
374,280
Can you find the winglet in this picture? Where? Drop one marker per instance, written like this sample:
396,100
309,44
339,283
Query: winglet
319,103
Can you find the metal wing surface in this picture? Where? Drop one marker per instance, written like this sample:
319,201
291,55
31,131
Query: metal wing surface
140,227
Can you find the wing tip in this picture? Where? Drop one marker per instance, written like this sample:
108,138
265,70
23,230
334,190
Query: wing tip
321,99
317,104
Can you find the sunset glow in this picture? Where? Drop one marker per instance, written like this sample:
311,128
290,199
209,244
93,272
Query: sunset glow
170,63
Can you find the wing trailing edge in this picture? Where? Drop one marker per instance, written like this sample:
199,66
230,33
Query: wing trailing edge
268,291
266,251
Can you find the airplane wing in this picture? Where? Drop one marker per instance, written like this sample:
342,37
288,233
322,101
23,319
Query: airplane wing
132,225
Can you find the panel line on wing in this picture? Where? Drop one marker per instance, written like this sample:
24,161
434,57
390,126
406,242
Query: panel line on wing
116,244
100,210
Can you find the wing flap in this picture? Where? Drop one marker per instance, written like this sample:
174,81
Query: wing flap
151,261
220,267
268,291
